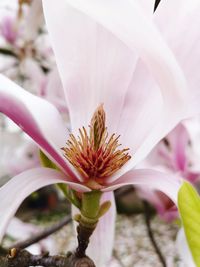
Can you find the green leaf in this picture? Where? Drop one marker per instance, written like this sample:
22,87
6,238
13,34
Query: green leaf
189,208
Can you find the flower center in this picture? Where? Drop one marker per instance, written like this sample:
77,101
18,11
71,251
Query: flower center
96,155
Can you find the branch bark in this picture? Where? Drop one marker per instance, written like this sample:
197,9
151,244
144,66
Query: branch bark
23,258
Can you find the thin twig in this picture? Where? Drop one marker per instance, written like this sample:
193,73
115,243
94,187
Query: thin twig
147,215
43,234
157,2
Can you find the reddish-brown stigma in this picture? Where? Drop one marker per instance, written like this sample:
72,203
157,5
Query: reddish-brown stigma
95,155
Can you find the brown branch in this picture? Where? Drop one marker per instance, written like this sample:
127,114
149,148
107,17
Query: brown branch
18,257
147,215
43,234
23,258
83,237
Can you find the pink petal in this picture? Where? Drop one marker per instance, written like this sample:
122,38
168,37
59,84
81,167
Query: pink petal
122,19
37,117
140,113
164,182
101,242
95,66
21,186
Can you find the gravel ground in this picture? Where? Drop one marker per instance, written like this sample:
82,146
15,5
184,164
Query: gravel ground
132,245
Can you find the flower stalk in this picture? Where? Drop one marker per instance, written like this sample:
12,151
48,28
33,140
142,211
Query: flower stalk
87,219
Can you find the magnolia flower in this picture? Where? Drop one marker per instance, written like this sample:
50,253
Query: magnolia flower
174,154
110,53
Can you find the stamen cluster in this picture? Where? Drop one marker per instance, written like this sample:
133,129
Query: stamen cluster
96,156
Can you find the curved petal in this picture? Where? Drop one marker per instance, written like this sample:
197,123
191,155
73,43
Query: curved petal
165,182
166,121
37,117
101,242
122,19
140,113
21,186
95,66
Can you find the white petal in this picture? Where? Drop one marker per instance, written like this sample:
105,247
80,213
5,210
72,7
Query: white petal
21,186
